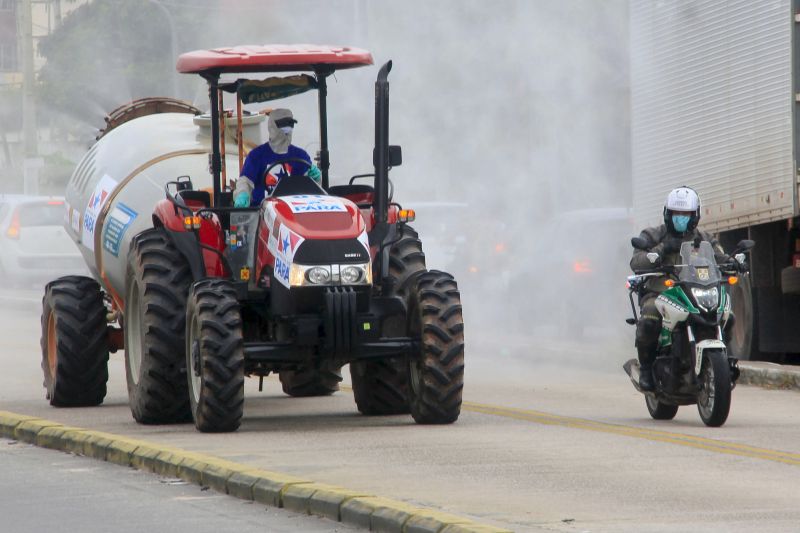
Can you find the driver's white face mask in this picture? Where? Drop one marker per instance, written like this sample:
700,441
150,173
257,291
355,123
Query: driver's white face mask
286,129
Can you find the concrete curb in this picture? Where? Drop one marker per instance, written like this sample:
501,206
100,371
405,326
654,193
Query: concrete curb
769,375
241,481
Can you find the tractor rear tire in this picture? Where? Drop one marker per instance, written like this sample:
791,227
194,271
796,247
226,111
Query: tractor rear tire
158,281
74,342
311,381
436,372
381,387
215,356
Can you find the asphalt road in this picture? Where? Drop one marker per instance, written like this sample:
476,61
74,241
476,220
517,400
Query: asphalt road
552,437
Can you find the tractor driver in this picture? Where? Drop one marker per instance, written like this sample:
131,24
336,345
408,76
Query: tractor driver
681,215
252,185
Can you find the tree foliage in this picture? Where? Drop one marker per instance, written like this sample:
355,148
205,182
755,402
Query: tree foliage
105,53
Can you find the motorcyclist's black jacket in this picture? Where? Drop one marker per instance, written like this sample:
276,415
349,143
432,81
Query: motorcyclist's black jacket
668,247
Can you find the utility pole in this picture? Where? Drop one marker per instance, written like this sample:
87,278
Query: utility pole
31,162
56,13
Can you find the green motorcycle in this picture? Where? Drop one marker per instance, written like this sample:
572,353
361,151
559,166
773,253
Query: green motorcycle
692,365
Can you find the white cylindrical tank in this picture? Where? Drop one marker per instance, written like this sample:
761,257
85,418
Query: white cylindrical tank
112,192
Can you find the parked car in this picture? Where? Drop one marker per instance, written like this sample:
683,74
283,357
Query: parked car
34,245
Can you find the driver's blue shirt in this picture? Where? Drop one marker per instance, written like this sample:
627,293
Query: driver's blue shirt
262,157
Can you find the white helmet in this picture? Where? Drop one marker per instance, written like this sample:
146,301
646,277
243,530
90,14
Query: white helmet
682,199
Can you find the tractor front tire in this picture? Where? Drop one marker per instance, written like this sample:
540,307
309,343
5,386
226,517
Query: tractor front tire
215,356
381,387
311,381
158,281
74,342
436,372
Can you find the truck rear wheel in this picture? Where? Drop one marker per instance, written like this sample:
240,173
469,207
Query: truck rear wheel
158,281
215,356
436,373
74,342
381,387
743,335
311,381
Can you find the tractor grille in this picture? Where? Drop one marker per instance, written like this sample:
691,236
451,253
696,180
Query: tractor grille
340,319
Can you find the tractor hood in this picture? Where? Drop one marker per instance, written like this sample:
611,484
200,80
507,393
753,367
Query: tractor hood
314,216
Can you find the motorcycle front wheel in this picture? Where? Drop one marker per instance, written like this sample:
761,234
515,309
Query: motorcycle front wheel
660,410
714,399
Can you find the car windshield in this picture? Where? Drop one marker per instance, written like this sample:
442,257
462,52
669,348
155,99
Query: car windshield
41,214
699,266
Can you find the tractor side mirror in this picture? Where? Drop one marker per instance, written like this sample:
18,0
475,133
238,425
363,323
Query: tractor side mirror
395,156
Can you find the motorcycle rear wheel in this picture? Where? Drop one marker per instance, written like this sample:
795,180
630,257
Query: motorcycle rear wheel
714,400
660,410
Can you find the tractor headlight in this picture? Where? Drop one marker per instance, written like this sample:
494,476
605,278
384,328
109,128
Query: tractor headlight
350,274
708,299
316,275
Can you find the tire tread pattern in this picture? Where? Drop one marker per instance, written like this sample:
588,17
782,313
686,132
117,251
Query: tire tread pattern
440,366
163,276
381,387
81,373
221,404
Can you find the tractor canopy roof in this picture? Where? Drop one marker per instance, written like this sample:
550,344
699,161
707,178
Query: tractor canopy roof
273,58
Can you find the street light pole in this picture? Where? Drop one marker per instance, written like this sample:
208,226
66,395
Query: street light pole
29,130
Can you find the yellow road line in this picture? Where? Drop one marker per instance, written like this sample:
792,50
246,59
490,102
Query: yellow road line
680,439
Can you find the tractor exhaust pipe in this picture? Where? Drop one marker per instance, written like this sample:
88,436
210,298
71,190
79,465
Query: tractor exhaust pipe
380,155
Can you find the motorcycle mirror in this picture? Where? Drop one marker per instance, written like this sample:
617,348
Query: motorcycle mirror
652,257
739,258
640,243
745,245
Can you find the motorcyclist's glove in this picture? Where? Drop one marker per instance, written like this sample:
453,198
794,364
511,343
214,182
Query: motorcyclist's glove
242,199
314,173
671,245
743,268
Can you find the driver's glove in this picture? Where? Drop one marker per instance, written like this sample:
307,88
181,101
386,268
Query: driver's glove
314,173
242,199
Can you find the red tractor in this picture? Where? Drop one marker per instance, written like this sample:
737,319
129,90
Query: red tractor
316,277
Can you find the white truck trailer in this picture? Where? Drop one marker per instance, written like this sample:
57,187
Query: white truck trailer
715,89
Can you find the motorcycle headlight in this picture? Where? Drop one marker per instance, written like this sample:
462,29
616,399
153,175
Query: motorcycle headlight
707,299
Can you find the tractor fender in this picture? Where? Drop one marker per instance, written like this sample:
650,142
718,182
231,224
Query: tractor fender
203,260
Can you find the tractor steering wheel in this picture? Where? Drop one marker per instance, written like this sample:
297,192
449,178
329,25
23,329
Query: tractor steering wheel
280,162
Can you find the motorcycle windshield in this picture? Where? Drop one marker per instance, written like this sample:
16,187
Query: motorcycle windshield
698,264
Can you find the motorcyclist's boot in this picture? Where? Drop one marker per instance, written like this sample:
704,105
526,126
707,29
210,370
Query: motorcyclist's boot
646,369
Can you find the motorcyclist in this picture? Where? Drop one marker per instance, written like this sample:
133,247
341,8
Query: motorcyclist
681,215
252,186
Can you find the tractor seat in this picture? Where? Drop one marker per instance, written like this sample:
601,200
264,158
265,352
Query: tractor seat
361,195
292,185
194,198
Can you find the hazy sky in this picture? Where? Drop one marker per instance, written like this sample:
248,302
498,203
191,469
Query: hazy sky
518,109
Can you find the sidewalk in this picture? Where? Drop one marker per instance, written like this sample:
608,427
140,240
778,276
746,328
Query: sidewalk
769,375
